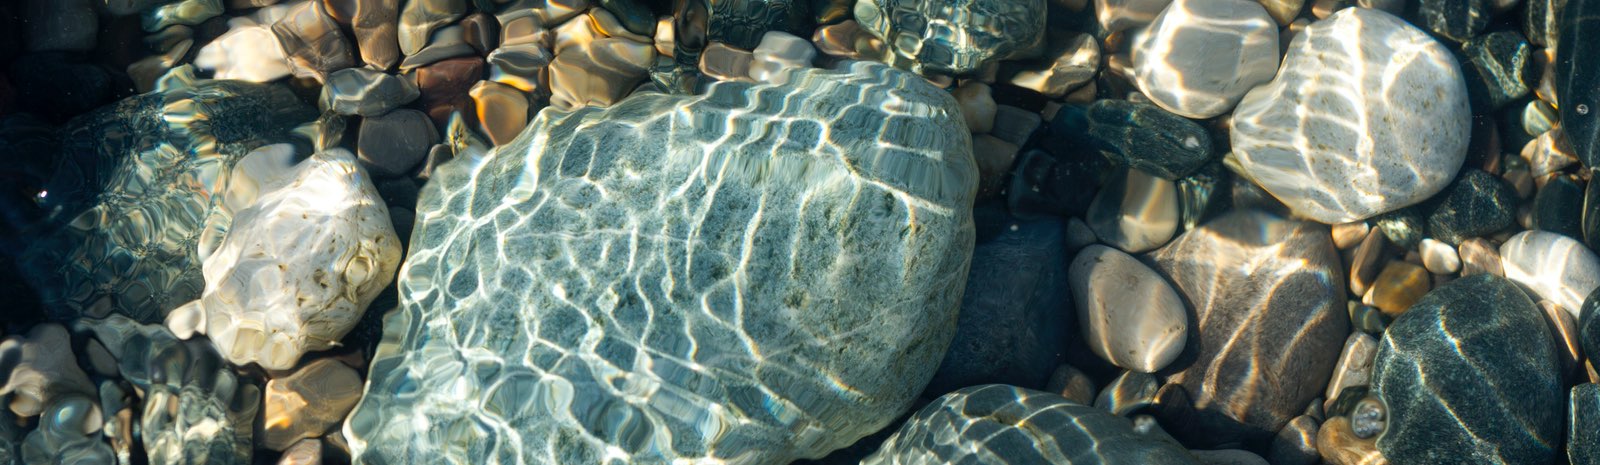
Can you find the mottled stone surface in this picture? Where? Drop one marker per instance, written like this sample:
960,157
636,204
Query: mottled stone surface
1577,78
999,424
38,369
1129,315
1469,375
313,42
955,37
1134,212
137,188
196,411
1367,115
308,403
1147,138
365,92
1583,425
1268,323
1476,204
1199,57
1016,316
684,286
298,266
1499,68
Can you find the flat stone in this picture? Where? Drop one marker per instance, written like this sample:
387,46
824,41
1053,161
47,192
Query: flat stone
1395,137
298,267
977,106
1583,425
66,433
1577,71
1338,445
303,452
1129,315
365,92
1348,235
313,41
376,26
1118,15
1544,154
1498,69
1199,57
1469,371
502,110
956,37
1558,208
1016,317
137,204
393,143
1439,257
481,31
419,18
1235,269
1476,204
1149,139
1555,267
1457,20
598,73
307,403
779,51
1069,62
1005,424
1398,287
1296,443
760,386
1135,212
1015,125
1367,261
839,40
1355,364
39,370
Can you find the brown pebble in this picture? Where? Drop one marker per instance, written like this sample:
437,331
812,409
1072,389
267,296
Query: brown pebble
994,157
342,11
377,34
1338,445
1398,286
308,403
1479,256
1347,235
725,63
1565,330
1072,384
444,85
1367,261
482,32
312,42
502,110
303,452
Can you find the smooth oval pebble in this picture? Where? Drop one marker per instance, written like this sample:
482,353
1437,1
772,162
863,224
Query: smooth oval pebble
1555,267
1439,257
1199,57
1135,212
1129,315
1367,115
365,92
777,52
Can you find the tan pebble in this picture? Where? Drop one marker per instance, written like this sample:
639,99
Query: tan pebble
1347,235
1338,445
313,42
308,403
977,106
525,29
376,26
1084,95
1073,62
666,43
574,33
1479,256
606,24
725,63
1521,180
502,110
1354,367
303,452
1367,262
779,51
1398,286
1545,156
1322,9
837,39
1072,384
598,73
1565,329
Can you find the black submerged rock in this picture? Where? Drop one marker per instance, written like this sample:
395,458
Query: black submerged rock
1558,208
1469,375
1577,78
1497,68
1149,139
1476,204
1583,425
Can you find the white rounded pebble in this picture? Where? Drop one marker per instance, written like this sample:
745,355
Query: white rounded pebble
1199,57
777,52
246,53
1129,315
1368,115
1439,257
1555,267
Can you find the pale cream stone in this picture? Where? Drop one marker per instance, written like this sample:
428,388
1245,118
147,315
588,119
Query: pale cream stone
1439,257
247,53
308,403
977,106
1129,315
777,52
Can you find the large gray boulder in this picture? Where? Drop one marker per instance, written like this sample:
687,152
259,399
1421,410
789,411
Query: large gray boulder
754,275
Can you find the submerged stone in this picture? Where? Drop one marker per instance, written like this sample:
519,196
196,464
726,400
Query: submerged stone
955,37
1554,267
1583,425
1367,115
1469,373
1147,138
1003,424
1256,357
760,273
139,189
1577,78
1476,204
1558,208
1499,68
1457,20
1199,57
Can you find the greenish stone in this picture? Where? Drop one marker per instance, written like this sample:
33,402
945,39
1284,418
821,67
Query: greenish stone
1457,20
1558,208
1403,227
1583,425
955,37
1476,204
1470,371
757,274
998,424
1497,68
137,194
1149,139
1577,78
